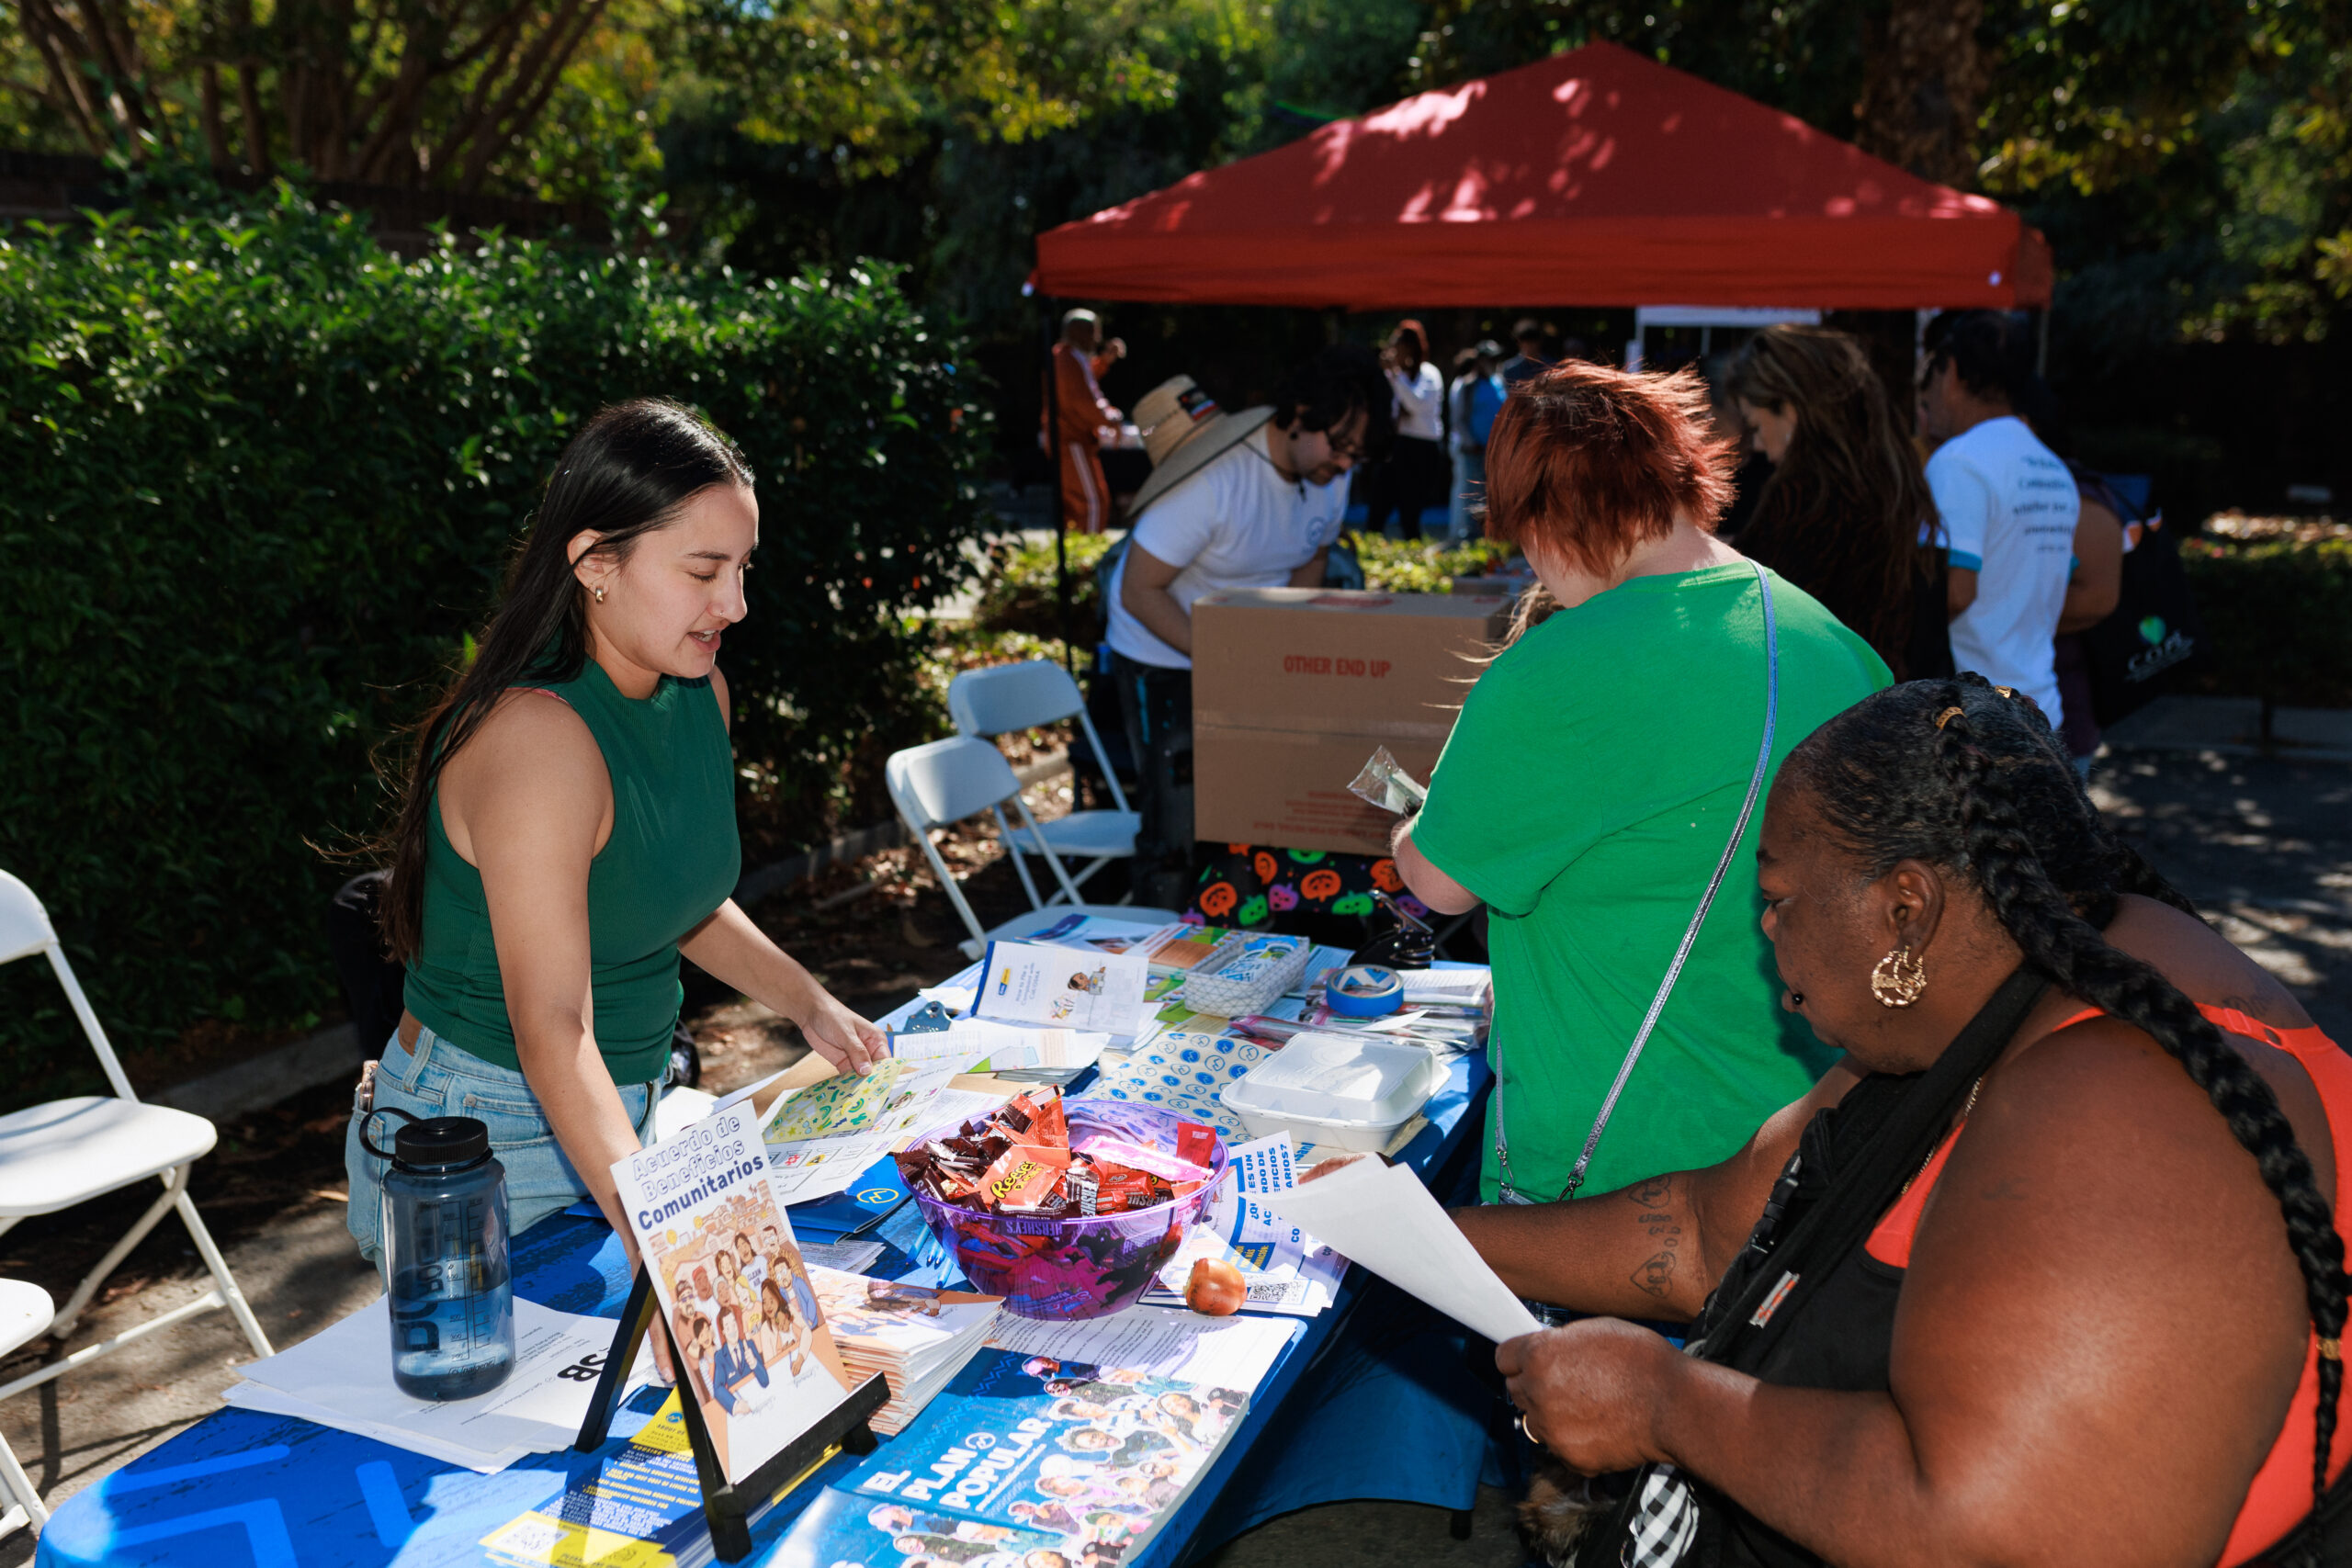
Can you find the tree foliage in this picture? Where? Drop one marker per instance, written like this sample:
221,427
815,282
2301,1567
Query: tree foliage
533,96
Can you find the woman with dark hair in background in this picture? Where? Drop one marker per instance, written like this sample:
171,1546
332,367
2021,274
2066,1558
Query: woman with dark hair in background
1841,515
2046,1269
1414,476
568,829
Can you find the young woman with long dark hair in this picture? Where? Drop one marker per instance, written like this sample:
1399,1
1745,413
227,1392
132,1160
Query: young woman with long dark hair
1841,512
568,829
2047,1270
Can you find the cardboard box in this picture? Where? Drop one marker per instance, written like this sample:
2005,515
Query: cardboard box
1294,687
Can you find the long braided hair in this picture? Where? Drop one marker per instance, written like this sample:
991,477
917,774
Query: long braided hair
1963,775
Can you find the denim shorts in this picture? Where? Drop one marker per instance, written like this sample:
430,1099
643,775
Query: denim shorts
439,1080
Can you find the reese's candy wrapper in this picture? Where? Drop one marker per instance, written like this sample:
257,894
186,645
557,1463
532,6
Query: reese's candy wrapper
1025,1174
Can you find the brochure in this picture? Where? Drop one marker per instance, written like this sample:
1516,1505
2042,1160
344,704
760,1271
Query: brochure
916,1336
1042,984
1008,1049
842,1529
733,1286
842,1256
641,1506
843,1103
873,1197
1098,1456
1282,1267
819,1164
1168,1342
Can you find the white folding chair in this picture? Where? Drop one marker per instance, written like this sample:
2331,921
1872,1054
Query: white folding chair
69,1151
25,1312
1009,697
947,781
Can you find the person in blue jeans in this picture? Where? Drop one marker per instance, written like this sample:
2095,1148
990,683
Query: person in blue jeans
567,830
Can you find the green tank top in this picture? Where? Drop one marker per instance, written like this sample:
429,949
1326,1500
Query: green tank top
673,858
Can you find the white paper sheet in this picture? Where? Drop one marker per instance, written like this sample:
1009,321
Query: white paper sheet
267,1401
1220,1352
1003,1048
1383,1217
345,1372
1044,985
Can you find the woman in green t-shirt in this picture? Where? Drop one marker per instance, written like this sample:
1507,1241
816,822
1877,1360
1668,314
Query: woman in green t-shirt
1594,779
569,829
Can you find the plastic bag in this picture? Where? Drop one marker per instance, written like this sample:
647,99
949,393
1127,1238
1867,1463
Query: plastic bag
1387,785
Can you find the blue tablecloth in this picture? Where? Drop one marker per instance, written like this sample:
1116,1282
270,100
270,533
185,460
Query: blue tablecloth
1373,1399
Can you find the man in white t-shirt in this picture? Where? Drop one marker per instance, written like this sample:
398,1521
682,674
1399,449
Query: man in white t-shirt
2007,504
1252,499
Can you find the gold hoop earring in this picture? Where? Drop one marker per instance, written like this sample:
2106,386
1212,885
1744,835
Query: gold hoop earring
599,594
1900,979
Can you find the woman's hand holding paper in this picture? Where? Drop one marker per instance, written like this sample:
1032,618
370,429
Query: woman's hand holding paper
1594,1392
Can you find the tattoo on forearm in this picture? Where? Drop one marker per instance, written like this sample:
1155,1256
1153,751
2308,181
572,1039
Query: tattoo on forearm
1655,1276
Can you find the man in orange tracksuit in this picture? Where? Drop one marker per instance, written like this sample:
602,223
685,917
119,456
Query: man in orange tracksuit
1087,420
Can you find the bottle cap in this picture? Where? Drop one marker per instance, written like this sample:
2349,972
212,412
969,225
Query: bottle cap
441,1143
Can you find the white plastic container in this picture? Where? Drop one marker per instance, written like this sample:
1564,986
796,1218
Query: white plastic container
1343,1091
1245,973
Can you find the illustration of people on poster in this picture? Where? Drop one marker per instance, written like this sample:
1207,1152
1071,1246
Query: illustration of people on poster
759,1358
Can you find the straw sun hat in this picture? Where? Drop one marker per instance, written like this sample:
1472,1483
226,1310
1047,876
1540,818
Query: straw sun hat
1183,432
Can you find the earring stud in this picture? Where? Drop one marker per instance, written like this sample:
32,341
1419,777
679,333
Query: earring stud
599,593
1899,980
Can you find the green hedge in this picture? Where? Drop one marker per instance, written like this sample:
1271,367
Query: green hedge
2278,616
263,477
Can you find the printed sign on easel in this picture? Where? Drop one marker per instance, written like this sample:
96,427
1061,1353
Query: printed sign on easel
756,1356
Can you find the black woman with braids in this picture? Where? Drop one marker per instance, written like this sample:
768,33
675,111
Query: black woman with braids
2045,1271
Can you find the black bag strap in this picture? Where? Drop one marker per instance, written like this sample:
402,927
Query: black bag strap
1873,1178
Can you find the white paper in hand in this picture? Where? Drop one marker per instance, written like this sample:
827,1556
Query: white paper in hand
1383,1217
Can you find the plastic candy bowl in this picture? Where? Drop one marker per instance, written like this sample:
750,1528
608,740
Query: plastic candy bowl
1075,1267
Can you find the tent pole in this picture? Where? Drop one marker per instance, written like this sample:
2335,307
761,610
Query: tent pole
1053,481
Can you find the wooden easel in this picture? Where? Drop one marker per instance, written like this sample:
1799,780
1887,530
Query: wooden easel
729,1506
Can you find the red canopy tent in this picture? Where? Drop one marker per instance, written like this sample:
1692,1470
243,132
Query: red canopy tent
1594,178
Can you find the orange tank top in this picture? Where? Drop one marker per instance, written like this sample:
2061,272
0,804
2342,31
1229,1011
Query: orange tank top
2281,1493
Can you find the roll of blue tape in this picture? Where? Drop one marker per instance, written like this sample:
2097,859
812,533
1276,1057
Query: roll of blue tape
1364,990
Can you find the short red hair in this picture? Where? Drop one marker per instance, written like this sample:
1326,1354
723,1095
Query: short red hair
1595,462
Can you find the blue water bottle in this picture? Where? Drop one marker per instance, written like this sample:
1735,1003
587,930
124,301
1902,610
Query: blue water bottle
444,1256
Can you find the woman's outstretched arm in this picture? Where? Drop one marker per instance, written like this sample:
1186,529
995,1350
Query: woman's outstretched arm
1656,1248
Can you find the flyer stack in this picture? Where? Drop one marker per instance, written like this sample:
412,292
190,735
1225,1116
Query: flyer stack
915,1336
1030,1455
